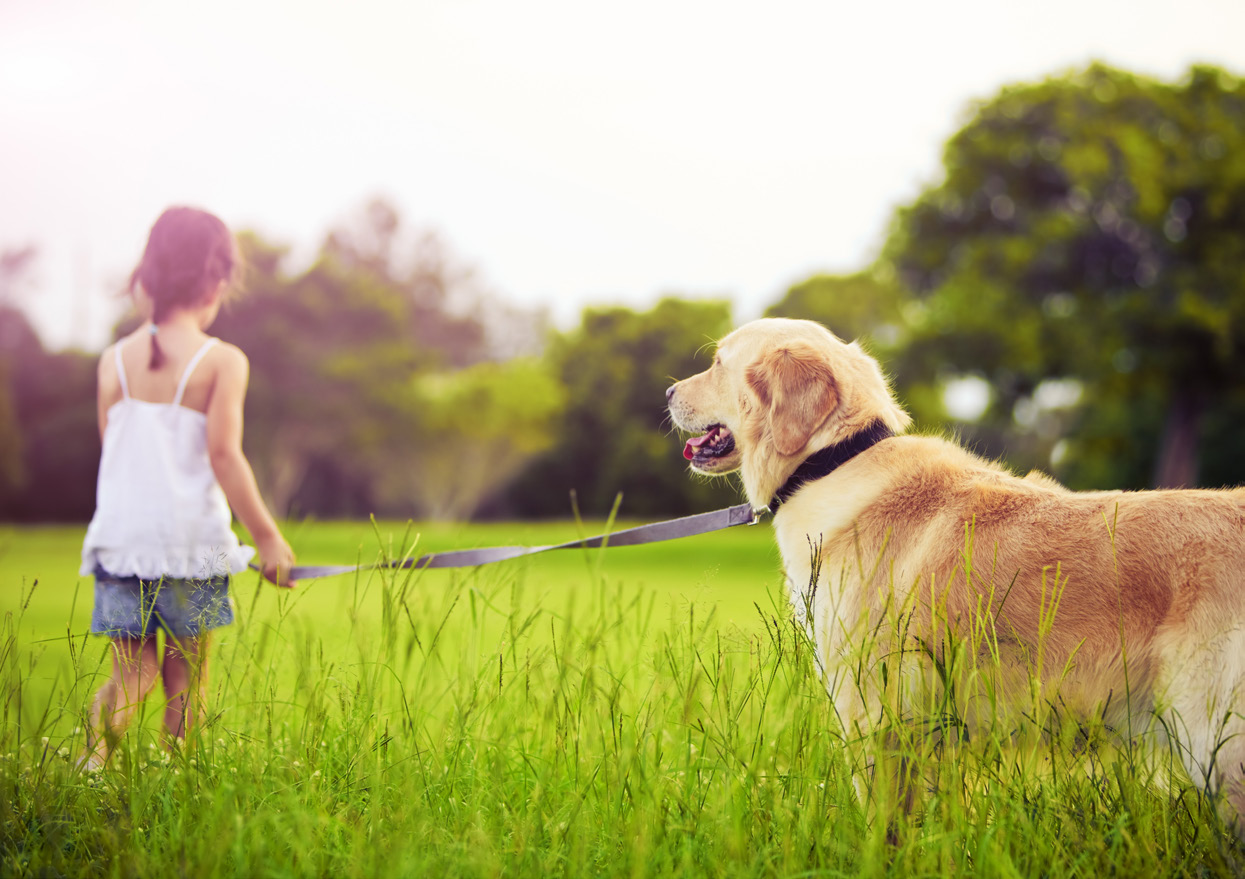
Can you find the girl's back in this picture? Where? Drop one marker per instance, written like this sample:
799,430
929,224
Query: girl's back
159,508
160,385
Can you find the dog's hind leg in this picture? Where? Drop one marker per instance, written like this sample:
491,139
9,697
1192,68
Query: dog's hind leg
1203,710
1232,784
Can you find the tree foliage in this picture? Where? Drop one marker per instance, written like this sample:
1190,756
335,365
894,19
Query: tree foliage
867,305
331,360
18,345
614,436
1090,227
49,442
478,427
455,320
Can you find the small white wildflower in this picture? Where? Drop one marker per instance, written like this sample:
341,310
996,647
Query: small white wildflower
297,764
316,774
220,741
77,729
45,741
63,752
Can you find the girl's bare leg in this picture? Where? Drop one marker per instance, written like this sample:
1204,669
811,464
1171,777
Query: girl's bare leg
185,684
134,671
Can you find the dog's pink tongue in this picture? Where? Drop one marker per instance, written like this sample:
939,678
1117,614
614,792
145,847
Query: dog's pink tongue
689,450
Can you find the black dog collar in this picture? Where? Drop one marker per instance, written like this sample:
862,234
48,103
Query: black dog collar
826,461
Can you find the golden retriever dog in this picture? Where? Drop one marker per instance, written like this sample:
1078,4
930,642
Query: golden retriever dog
1124,607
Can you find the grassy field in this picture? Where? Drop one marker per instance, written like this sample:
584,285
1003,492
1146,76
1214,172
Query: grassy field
628,712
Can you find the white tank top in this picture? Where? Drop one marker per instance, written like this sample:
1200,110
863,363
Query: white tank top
159,510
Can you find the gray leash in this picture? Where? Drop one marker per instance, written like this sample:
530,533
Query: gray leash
672,529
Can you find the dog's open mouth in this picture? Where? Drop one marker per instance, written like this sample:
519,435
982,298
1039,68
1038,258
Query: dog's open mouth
717,442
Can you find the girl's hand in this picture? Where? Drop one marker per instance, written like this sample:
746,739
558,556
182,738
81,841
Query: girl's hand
276,560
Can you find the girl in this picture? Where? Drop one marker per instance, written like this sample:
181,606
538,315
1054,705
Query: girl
160,544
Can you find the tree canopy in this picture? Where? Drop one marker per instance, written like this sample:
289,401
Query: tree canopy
614,436
356,364
1089,227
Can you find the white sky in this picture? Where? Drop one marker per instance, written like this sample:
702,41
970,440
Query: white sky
574,152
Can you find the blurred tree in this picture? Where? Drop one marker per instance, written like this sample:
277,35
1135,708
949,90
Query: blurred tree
49,443
55,409
18,345
16,265
478,427
331,365
455,320
49,440
13,327
614,435
1089,227
867,305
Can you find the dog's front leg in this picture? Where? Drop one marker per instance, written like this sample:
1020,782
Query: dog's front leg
892,753
885,757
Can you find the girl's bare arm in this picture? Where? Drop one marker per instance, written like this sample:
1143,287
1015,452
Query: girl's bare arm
233,471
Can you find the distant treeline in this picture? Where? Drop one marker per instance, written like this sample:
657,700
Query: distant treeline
1079,272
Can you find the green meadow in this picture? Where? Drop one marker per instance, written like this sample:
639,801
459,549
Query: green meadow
646,711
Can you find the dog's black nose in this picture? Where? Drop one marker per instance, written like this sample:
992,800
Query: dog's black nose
669,393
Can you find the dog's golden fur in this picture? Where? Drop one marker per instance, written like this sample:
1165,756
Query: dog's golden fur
1131,605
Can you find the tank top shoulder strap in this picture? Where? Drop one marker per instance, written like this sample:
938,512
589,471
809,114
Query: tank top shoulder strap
125,386
190,367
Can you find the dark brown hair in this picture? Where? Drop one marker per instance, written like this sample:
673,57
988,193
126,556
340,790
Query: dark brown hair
189,252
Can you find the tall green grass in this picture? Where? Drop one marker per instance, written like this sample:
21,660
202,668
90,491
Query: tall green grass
616,713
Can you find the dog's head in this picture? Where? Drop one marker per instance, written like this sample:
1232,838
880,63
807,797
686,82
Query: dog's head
778,390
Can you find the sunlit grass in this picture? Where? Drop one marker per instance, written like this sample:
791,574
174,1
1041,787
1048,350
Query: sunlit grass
622,713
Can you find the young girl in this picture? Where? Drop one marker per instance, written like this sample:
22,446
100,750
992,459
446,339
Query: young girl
160,544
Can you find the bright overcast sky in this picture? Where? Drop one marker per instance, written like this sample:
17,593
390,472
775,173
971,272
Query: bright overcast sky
573,152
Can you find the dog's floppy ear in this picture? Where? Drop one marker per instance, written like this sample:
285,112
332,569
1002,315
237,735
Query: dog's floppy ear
797,386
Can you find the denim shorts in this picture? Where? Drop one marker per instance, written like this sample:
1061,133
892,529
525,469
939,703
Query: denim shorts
130,607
